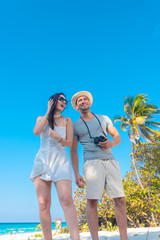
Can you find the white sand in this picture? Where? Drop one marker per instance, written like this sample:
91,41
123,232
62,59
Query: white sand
133,234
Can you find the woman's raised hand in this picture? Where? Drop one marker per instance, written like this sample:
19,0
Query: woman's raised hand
50,103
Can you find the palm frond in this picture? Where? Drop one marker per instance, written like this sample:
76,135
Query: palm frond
117,118
124,126
156,132
137,109
158,111
125,120
146,135
129,100
152,106
141,97
152,124
148,110
128,110
139,103
121,119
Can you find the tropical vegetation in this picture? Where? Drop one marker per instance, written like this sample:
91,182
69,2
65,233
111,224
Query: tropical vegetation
138,122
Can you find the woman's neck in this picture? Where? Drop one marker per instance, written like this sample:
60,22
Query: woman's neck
57,114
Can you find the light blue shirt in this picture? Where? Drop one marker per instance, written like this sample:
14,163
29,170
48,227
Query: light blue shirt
92,151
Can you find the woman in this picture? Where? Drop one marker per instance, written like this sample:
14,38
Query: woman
52,165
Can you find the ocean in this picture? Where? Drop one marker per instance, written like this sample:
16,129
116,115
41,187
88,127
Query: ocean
8,228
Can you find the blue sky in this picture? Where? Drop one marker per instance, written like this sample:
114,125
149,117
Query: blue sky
110,48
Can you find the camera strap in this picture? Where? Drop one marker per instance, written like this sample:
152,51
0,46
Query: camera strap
88,127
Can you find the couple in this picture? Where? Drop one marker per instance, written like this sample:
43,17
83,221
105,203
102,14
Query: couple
101,170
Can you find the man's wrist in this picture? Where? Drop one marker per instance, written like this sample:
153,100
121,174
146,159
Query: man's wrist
76,174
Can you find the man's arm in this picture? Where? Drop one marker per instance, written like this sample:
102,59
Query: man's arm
74,161
112,131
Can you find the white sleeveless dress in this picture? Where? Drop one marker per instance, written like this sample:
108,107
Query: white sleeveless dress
51,161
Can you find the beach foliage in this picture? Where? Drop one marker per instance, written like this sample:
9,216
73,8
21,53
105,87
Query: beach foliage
64,230
38,227
141,203
38,235
147,199
11,232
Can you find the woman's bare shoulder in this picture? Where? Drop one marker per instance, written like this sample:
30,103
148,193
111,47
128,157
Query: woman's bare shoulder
39,118
68,120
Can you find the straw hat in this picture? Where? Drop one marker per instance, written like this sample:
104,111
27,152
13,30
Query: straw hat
79,94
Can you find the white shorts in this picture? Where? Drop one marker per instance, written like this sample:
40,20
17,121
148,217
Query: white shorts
103,174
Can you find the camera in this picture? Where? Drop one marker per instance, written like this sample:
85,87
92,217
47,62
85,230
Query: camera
99,139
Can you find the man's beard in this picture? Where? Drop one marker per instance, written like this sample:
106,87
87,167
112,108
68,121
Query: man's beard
84,110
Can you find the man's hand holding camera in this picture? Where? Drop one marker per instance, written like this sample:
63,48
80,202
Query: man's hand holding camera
106,144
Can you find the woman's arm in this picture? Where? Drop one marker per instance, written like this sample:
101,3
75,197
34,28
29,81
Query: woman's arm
67,142
40,124
42,121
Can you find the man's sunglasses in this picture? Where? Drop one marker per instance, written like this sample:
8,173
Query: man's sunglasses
62,99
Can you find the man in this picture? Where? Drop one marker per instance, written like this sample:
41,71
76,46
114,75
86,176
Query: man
101,170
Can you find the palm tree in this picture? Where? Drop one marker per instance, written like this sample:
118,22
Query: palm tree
139,122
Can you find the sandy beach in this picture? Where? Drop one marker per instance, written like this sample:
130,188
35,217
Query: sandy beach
133,234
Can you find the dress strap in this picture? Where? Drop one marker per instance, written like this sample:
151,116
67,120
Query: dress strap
64,121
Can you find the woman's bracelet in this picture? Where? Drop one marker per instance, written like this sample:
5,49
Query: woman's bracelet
61,140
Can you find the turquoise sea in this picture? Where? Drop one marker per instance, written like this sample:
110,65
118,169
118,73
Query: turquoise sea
6,228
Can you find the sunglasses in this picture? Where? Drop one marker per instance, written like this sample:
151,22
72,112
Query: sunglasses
62,99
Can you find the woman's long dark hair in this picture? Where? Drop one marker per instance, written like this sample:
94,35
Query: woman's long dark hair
52,110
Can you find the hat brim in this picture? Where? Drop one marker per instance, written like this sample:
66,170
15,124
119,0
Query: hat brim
79,94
